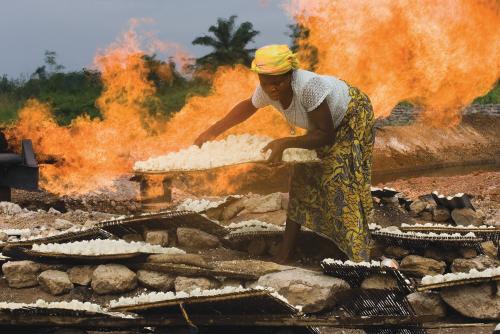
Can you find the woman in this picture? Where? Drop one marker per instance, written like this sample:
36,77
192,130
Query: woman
332,197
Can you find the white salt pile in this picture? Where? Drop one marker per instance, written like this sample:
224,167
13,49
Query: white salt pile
458,227
199,205
373,226
450,277
74,228
350,263
153,297
393,230
74,305
253,225
449,198
230,151
18,232
104,247
9,208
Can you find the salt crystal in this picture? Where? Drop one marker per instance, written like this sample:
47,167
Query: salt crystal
104,247
232,150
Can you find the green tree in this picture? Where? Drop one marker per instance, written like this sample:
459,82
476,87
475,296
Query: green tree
307,53
228,43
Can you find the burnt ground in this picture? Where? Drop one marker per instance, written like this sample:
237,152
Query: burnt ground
397,149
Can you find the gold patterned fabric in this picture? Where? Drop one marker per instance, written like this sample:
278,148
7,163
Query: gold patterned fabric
333,197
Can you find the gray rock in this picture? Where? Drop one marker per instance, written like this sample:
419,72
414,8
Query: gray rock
155,280
113,278
475,301
480,262
55,282
379,282
156,237
396,252
427,303
4,236
194,238
62,224
81,275
261,204
257,247
421,266
426,216
467,217
417,207
441,215
21,274
392,201
311,289
489,249
188,284
54,211
189,259
468,253
447,255
232,210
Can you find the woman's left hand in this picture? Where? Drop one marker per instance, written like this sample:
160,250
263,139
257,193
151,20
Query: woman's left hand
277,147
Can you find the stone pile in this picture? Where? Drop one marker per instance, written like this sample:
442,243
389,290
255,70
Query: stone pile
310,289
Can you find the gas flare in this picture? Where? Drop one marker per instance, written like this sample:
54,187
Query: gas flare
438,54
92,153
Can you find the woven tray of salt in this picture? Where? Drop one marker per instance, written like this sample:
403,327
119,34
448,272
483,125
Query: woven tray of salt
239,301
72,308
161,220
20,253
355,272
467,281
484,232
373,302
416,240
88,234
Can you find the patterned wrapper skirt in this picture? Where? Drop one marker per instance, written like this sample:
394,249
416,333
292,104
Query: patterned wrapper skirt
333,197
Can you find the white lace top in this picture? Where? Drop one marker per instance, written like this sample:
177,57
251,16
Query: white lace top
309,90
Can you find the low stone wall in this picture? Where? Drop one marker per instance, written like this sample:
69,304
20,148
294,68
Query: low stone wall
402,115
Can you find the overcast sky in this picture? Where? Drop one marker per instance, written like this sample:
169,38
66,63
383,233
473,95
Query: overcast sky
76,29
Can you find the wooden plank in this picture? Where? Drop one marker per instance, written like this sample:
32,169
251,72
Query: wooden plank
457,283
201,320
190,271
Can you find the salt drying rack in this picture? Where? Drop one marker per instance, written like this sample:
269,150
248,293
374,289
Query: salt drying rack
354,274
486,233
20,253
88,234
250,306
417,242
458,201
161,220
467,281
373,302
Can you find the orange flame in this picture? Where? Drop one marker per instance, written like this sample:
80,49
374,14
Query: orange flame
438,54
93,153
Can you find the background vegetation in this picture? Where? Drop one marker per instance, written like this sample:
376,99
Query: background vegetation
73,93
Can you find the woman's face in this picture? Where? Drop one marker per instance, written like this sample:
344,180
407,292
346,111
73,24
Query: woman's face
275,85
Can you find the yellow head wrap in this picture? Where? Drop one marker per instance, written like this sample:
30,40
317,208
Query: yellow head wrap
274,60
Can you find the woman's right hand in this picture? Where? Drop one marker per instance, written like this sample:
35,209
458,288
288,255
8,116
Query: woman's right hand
204,137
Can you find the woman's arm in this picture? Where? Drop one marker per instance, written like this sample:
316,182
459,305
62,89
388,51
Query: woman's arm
322,135
239,113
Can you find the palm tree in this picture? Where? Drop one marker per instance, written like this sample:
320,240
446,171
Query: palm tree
228,43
